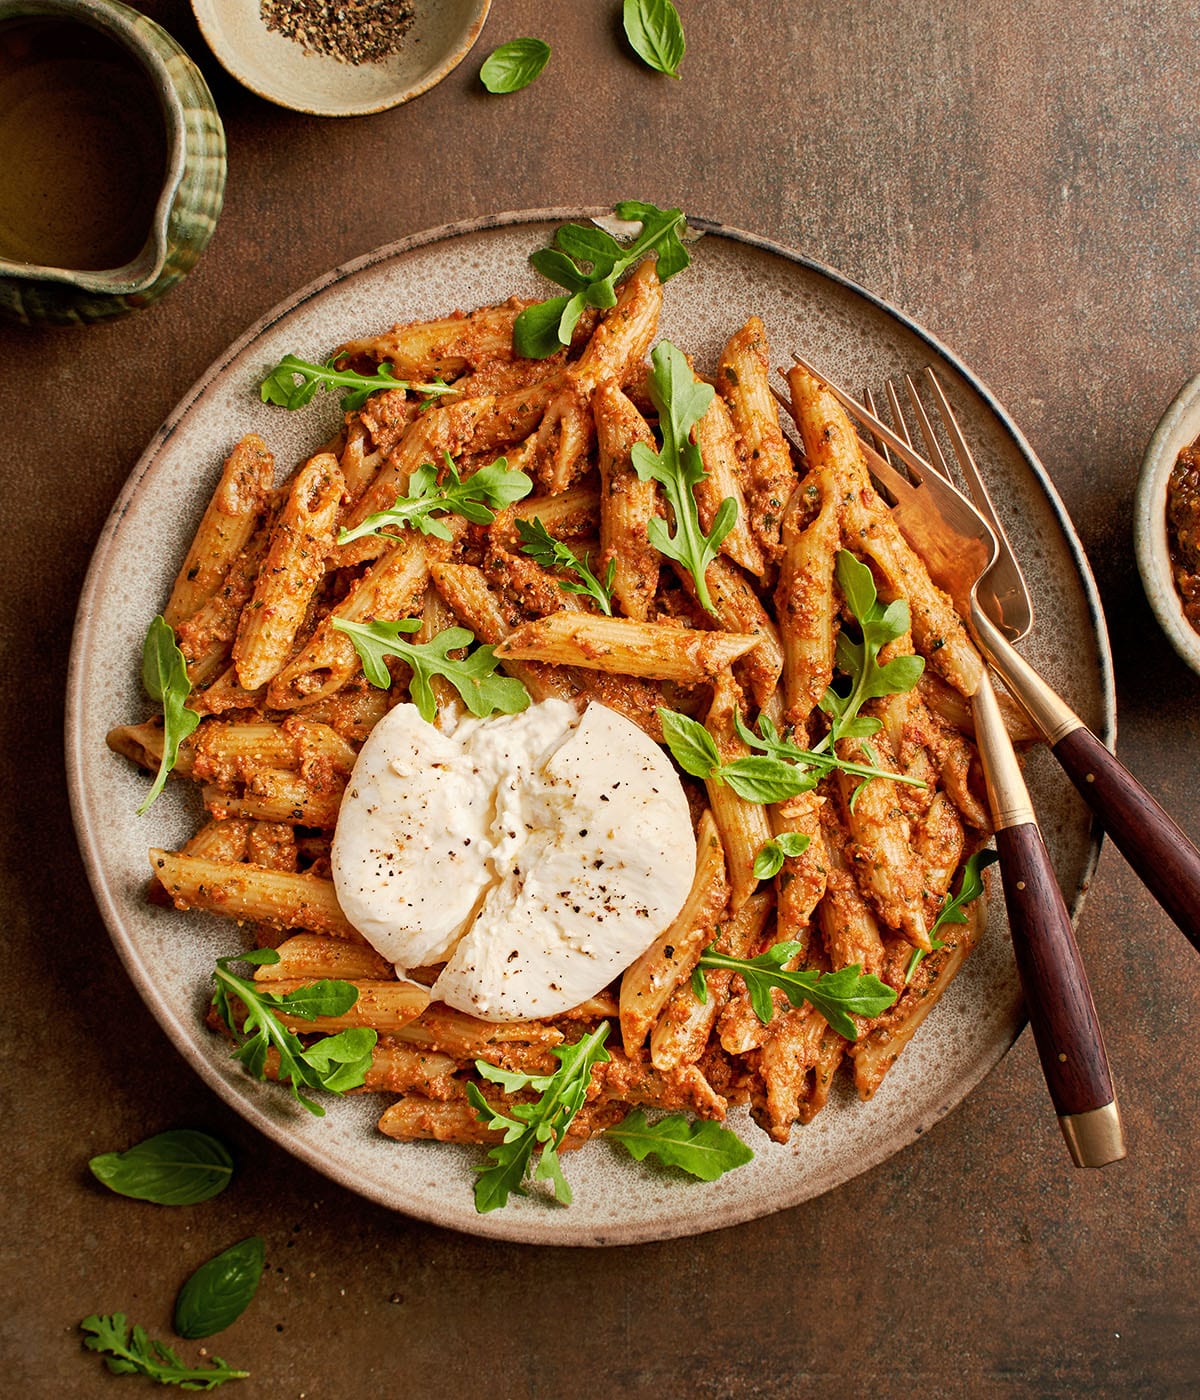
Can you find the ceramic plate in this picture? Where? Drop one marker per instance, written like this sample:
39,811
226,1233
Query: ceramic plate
170,955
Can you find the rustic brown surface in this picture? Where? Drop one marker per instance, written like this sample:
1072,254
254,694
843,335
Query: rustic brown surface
1024,180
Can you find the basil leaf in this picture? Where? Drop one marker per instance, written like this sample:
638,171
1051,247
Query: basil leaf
763,779
164,674
176,1168
654,29
535,331
691,745
769,861
701,1147
514,65
219,1292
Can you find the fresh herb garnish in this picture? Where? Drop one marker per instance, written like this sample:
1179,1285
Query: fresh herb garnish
589,261
769,860
133,1353
483,691
654,29
834,994
176,1168
220,1291
477,498
954,906
859,660
699,1146
514,65
164,674
335,1062
544,549
681,400
528,1127
781,771
293,382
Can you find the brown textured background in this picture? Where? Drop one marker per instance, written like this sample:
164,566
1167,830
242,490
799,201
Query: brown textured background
1024,180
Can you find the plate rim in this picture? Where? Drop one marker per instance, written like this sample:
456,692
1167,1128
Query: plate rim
496,1225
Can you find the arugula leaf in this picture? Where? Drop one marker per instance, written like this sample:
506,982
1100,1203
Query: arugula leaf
769,861
681,400
702,1147
294,382
483,692
859,660
164,674
133,1353
954,906
221,1290
544,549
476,499
588,262
530,1126
834,994
176,1168
654,29
514,65
782,771
336,1062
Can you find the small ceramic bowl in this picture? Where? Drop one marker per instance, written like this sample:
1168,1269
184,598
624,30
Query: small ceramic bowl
284,72
182,218
1179,427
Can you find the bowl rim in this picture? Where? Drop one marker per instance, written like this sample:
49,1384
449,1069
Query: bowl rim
233,60
1177,428
126,27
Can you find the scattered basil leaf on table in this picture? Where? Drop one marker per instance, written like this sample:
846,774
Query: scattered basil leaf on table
336,1062
954,906
482,690
514,65
164,674
294,382
476,499
528,1127
699,1146
771,856
176,1168
588,261
132,1353
544,549
220,1291
834,994
681,400
654,29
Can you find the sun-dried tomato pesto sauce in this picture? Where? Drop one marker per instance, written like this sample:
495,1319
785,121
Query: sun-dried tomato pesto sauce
1183,529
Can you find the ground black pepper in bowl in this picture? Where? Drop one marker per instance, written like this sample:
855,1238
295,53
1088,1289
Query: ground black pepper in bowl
352,31
1183,529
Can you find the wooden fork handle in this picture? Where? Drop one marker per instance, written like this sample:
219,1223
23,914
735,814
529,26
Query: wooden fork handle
1153,844
1066,1029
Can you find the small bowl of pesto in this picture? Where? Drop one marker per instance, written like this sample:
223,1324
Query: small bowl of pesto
339,60
112,161
1167,523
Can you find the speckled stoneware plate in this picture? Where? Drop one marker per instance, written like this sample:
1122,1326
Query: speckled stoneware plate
1178,428
170,955
290,74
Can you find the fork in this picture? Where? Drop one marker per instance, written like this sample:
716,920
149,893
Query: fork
1159,852
960,549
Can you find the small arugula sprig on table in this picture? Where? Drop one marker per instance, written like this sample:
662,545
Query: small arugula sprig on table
544,549
294,382
682,400
954,906
534,1127
834,994
589,262
482,690
334,1062
476,498
129,1352
164,674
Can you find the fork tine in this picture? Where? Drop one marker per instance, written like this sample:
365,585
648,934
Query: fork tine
933,448
971,473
